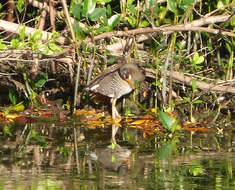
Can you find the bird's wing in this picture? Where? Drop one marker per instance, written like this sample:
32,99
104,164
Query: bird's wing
119,63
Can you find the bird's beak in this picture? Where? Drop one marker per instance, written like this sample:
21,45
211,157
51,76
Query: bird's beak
130,82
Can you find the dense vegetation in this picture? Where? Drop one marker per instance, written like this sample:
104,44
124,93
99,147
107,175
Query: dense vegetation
56,47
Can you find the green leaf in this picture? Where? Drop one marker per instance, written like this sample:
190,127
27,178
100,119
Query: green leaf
162,12
228,47
97,13
169,122
220,4
41,140
2,46
187,99
77,11
41,80
37,35
165,150
194,86
44,49
129,2
78,32
198,59
103,2
12,96
102,29
89,6
18,107
232,22
113,21
20,4
109,10
7,131
132,21
15,43
172,6
185,4
132,9
197,101
144,24
54,47
22,33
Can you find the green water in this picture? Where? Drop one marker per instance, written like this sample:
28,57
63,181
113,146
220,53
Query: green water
53,156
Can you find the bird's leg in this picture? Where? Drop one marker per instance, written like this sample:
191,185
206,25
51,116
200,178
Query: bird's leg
114,132
115,113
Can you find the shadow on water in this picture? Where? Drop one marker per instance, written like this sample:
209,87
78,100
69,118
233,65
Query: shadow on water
73,156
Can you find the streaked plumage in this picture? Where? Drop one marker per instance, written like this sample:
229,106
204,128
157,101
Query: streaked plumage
116,81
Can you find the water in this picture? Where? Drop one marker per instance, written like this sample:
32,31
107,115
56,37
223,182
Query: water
73,156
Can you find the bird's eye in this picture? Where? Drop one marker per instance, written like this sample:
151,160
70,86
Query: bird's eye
124,73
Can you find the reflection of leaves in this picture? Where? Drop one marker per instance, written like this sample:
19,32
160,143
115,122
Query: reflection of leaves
165,151
7,131
96,118
41,140
196,169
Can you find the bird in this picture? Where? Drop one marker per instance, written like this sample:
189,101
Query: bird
116,81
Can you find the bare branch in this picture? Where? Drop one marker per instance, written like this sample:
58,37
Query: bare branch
14,28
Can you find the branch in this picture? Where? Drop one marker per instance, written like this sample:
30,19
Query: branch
181,77
192,26
14,28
